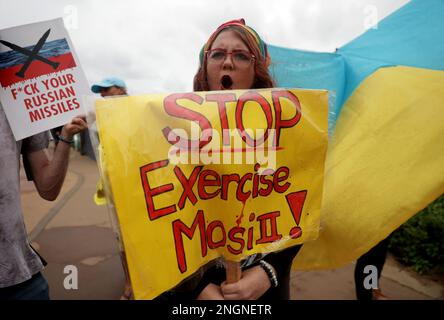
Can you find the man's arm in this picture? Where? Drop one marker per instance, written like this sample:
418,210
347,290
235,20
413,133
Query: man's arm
49,174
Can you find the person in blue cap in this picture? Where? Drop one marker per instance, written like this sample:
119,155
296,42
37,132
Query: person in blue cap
108,87
111,86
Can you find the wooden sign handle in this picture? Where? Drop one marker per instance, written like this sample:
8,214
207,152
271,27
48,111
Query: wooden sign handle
233,271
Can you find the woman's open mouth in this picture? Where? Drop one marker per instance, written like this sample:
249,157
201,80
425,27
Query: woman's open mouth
226,82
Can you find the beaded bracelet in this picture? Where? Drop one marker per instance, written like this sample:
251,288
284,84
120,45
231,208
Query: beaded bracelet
61,138
270,273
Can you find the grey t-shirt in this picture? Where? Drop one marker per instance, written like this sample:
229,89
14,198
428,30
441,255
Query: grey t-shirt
18,261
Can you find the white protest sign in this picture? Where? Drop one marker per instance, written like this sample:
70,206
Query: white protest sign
41,81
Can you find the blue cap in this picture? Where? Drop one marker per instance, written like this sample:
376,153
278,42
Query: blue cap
106,83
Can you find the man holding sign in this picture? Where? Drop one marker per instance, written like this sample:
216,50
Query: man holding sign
20,265
41,84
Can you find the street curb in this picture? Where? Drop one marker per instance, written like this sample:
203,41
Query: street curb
400,274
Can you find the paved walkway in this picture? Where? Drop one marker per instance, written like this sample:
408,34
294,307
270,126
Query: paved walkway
74,231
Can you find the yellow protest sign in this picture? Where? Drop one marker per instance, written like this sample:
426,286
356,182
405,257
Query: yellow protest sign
196,176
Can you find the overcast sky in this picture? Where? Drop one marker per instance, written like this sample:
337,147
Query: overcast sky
154,45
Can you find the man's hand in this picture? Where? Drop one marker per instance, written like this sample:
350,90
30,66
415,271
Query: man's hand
50,174
211,292
76,125
252,285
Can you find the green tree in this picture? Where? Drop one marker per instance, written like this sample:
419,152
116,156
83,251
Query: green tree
420,241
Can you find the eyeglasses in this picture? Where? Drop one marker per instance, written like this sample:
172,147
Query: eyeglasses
241,58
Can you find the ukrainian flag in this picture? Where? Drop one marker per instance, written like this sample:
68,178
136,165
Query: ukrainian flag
385,160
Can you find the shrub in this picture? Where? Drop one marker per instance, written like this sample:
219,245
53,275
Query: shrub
419,242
